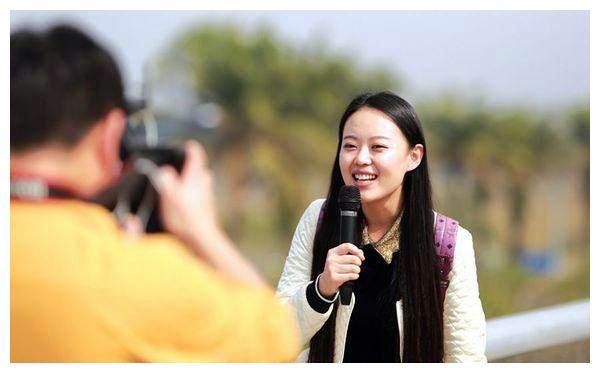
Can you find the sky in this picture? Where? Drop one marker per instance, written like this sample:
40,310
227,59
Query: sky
526,58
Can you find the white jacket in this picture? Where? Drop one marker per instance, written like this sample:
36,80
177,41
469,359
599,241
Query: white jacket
464,321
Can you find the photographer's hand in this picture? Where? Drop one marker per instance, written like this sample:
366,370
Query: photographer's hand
188,211
132,226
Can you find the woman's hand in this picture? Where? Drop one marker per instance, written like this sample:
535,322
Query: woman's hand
342,264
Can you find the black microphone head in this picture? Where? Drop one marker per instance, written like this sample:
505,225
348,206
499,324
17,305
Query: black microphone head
349,198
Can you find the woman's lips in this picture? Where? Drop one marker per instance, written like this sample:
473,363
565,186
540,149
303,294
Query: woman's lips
364,180
363,183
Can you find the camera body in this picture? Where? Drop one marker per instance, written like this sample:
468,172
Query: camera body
157,127
142,154
134,192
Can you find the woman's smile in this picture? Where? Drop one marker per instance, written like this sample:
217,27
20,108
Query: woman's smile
363,180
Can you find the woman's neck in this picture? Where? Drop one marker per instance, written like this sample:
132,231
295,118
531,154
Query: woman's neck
380,215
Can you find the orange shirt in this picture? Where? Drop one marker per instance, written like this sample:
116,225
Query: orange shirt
81,291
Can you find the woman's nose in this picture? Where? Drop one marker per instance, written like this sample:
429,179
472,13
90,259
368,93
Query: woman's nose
363,157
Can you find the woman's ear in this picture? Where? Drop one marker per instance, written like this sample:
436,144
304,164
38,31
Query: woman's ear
415,156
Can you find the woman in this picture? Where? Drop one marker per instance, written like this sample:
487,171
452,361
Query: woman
397,313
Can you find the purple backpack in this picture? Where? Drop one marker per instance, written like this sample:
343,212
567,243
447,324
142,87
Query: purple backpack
445,242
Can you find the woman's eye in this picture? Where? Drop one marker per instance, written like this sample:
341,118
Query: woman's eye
349,146
379,147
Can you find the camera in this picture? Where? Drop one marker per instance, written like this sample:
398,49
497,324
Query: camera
152,139
168,110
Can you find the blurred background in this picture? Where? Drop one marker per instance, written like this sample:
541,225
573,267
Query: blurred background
503,97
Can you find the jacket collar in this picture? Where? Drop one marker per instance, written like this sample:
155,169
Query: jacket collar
388,244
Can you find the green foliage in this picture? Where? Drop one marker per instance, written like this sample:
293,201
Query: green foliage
580,119
488,144
282,108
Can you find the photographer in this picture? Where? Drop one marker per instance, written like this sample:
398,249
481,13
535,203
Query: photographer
81,288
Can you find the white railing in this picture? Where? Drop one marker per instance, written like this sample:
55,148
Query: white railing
534,330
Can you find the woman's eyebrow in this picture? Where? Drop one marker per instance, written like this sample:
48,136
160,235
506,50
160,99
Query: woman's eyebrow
352,137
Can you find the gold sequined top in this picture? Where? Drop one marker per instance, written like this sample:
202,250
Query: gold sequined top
388,244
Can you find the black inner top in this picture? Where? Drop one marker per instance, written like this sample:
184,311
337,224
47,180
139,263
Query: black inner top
373,331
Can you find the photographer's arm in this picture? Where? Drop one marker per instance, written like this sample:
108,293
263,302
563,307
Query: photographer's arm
188,211
219,252
162,305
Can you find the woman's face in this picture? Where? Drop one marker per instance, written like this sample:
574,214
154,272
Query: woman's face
375,155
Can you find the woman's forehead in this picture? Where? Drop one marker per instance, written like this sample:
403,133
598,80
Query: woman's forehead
371,123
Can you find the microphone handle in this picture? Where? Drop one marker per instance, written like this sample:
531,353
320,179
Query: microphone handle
347,234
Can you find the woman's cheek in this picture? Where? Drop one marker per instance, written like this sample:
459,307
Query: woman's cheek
344,164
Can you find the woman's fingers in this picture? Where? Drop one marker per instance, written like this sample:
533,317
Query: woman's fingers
342,264
347,268
348,248
348,259
341,278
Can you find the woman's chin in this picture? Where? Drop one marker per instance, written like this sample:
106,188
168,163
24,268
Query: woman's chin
367,196
375,196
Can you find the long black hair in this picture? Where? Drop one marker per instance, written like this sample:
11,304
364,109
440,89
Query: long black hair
415,278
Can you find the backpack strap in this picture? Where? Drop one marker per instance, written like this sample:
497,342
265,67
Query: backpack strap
445,241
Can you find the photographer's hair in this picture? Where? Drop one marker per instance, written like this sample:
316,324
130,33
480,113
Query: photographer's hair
415,278
61,83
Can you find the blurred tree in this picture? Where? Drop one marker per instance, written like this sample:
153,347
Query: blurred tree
579,125
282,106
488,144
522,146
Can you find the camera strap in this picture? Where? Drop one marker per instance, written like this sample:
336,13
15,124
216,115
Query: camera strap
37,189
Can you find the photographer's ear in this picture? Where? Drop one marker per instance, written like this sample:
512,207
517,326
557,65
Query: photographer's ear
112,131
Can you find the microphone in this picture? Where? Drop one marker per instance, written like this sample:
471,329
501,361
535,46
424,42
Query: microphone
349,202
